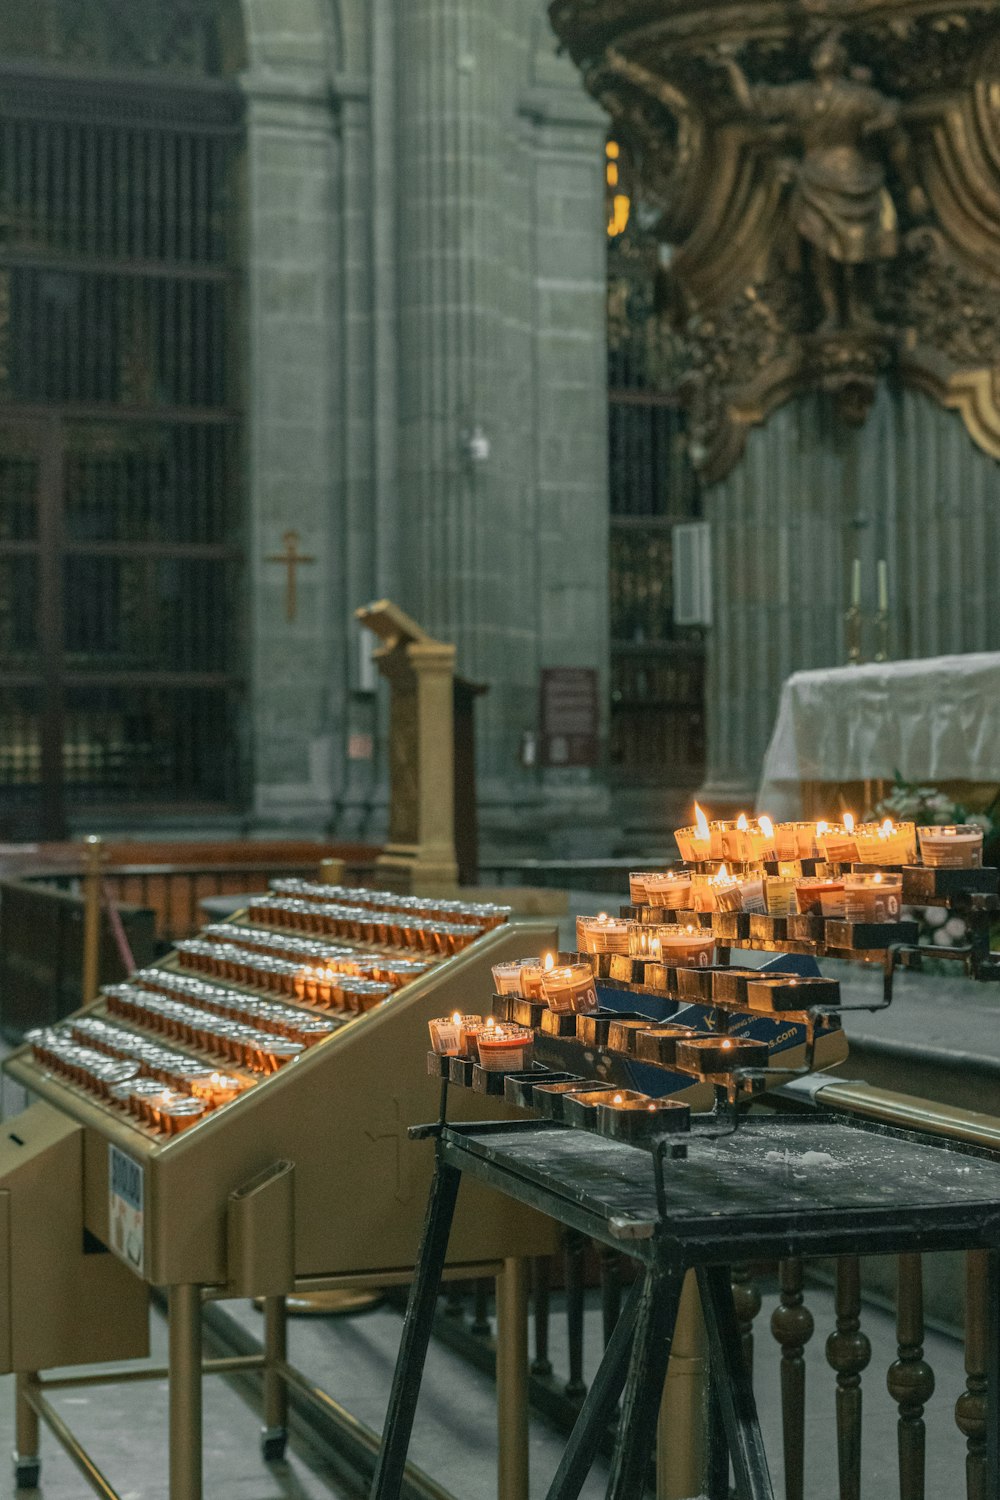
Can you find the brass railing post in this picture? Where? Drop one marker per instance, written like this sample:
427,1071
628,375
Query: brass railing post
970,1409
512,1381
184,1316
848,1351
682,1435
910,1378
792,1325
275,1434
91,965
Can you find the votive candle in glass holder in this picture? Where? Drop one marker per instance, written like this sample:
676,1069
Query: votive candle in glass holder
446,1034
837,843
810,889
507,976
217,1089
873,897
745,841
504,1049
670,889
886,843
955,846
686,946
793,840
602,934
779,895
637,887
698,842
533,971
832,904
570,988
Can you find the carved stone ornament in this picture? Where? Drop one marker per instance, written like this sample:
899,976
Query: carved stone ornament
826,175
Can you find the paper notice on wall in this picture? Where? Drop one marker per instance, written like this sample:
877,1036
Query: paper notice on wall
125,1208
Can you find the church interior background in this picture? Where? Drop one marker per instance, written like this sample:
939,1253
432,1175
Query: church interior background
226,331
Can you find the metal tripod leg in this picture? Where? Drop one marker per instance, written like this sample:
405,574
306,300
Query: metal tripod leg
660,1297
416,1334
734,1387
599,1405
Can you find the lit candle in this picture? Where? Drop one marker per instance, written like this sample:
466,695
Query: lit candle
504,1049
686,945
699,842
874,897
670,889
630,1116
602,934
707,1056
810,890
446,1034
837,843
953,846
570,988
886,843
658,1044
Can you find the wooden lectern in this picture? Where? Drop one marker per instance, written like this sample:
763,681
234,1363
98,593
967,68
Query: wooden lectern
421,674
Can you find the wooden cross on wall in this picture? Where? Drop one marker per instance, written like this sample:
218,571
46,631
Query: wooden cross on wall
291,557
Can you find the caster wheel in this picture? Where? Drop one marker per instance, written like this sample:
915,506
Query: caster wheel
27,1472
273,1441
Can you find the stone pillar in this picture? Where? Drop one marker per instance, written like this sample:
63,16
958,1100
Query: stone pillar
296,699
499,340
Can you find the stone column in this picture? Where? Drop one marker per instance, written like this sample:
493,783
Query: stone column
498,342
296,699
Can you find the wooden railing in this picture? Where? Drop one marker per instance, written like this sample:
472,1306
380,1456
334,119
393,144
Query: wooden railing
910,1380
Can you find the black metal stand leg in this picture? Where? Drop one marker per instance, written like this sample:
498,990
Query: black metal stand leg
993,1376
660,1297
717,1450
598,1408
735,1391
412,1355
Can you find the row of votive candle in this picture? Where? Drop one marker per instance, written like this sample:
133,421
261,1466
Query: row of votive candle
871,895
884,843
496,1045
563,987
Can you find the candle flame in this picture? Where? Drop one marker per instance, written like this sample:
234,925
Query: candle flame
651,1107
722,873
549,962
848,822
877,880
726,1045
887,828
822,826
701,822
766,826
742,823
618,1099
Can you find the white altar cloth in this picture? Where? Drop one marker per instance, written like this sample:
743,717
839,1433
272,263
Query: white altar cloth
933,719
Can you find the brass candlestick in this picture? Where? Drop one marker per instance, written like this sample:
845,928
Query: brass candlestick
854,621
882,635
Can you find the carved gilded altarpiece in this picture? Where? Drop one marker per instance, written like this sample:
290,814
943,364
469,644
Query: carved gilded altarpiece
825,180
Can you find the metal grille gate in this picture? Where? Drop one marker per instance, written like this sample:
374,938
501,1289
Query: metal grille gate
657,667
120,468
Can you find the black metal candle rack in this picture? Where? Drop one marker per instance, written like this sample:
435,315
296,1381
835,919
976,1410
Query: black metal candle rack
725,1185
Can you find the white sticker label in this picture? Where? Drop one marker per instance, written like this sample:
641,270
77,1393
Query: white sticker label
125,1208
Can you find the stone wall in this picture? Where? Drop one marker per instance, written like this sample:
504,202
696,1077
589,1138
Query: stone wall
425,213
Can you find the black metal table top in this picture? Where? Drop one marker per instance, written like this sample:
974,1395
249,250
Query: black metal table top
781,1186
